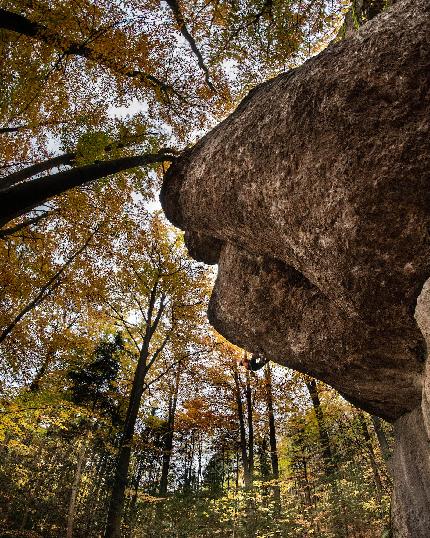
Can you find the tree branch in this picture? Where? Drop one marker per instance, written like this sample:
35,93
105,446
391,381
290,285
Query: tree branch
18,128
154,325
172,365
180,20
46,289
21,198
37,168
158,351
125,324
21,25
66,159
9,231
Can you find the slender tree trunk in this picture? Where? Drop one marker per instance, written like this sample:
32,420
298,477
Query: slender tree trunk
75,488
168,438
329,463
188,464
307,487
133,501
272,435
167,450
382,439
239,410
373,464
228,468
113,527
191,461
265,473
116,508
250,428
264,465
271,419
94,502
199,468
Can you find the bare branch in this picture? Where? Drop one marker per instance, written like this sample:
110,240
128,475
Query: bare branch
124,322
174,6
29,222
37,168
66,159
158,351
21,198
46,289
19,128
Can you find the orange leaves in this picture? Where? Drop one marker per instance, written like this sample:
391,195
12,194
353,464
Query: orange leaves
198,415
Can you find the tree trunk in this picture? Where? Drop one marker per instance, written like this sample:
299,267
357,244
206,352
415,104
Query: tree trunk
99,473
329,464
272,435
24,197
199,468
250,428
75,488
306,485
239,410
113,525
264,470
373,464
133,501
168,438
382,438
264,464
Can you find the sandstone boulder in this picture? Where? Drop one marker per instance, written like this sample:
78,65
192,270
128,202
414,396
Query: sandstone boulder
314,199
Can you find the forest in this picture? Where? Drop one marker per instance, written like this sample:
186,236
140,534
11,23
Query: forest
123,413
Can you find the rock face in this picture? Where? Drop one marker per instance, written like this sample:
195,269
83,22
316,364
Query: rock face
314,199
411,459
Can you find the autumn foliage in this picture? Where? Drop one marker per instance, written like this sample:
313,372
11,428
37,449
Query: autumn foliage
122,413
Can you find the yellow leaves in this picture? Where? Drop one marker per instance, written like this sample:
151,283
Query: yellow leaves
221,13
154,423
145,497
46,86
33,413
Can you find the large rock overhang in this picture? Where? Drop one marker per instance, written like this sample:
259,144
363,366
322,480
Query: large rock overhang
314,199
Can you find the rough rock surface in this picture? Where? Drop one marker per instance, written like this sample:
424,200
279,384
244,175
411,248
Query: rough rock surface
326,169
314,199
411,460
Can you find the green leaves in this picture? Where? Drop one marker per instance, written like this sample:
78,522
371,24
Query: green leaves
91,147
